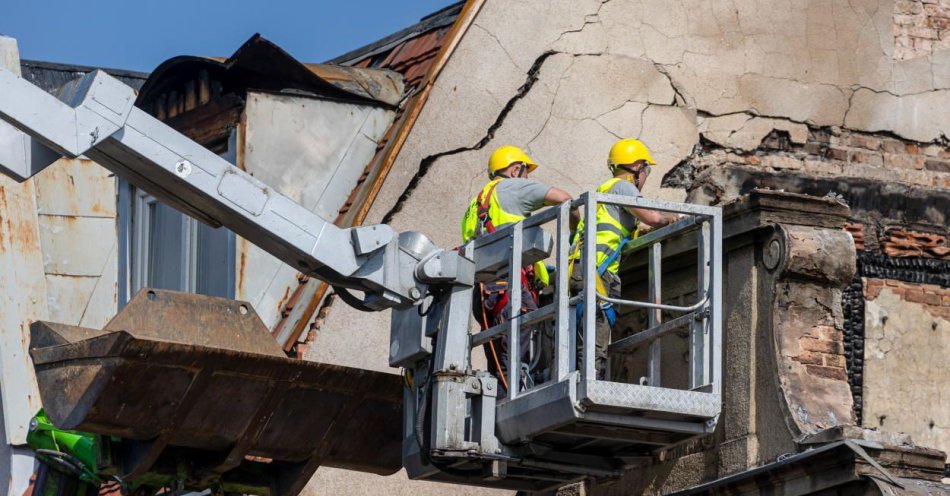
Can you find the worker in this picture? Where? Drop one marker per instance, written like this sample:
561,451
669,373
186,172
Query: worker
630,163
508,198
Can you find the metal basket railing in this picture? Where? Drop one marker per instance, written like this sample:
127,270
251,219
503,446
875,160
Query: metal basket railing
702,317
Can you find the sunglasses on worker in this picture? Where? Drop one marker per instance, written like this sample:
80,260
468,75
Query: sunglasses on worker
637,168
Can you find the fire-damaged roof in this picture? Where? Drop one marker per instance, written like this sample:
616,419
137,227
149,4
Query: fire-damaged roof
262,65
418,53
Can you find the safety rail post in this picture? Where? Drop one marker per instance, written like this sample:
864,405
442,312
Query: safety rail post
588,371
654,315
562,329
699,334
715,314
514,312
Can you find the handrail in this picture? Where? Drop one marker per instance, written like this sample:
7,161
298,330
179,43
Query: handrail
698,220
657,306
651,334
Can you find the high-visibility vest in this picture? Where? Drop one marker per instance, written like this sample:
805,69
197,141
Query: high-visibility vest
610,232
485,214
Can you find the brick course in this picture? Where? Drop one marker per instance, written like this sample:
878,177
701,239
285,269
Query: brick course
920,27
821,351
841,152
936,298
906,243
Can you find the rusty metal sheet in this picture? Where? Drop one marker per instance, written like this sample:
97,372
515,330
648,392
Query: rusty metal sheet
24,299
185,318
382,85
76,187
74,245
103,302
183,370
68,296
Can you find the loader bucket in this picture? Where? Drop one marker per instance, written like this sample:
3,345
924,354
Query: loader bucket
183,371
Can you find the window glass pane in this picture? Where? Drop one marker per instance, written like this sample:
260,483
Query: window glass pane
215,261
166,248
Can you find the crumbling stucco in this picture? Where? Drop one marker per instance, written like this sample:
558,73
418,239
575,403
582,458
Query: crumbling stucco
777,65
756,80
669,72
905,333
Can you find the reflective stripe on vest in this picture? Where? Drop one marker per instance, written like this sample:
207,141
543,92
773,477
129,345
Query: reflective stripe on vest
471,226
609,230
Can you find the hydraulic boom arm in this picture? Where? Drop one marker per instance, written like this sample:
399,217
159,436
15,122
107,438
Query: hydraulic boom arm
95,117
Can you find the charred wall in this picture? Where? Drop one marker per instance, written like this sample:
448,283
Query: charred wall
898,193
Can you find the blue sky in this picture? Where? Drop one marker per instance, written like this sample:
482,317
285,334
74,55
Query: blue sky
138,35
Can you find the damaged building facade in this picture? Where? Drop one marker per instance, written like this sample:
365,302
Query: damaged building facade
844,100
820,126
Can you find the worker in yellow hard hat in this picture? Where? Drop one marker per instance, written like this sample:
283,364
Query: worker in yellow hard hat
508,198
630,163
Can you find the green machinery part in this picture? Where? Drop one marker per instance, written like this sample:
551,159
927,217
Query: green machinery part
69,460
74,463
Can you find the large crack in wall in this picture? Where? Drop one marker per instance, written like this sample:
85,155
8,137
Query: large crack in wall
426,163
801,96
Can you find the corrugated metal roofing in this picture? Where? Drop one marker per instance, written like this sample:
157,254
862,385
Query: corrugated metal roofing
439,19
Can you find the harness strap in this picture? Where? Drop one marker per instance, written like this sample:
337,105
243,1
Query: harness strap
484,203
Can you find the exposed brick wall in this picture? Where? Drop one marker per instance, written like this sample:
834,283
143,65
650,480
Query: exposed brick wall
904,243
935,298
822,353
920,27
857,233
831,152
842,152
914,279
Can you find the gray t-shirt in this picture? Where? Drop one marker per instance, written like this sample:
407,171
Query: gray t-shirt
624,188
521,196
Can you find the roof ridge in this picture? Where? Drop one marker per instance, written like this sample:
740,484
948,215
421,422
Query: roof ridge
440,18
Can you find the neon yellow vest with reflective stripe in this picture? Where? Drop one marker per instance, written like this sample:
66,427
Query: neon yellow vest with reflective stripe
499,217
609,231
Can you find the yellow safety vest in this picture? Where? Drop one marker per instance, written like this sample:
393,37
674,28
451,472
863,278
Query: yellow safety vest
609,232
474,226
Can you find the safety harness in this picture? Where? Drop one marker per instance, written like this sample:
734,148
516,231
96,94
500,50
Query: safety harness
607,308
485,225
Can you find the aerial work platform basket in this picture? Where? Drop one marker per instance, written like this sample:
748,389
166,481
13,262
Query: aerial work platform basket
578,411
561,422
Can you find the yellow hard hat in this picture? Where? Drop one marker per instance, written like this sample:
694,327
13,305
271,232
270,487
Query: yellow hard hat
628,151
504,156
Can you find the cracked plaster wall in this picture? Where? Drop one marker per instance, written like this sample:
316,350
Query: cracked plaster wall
657,70
906,330
566,78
